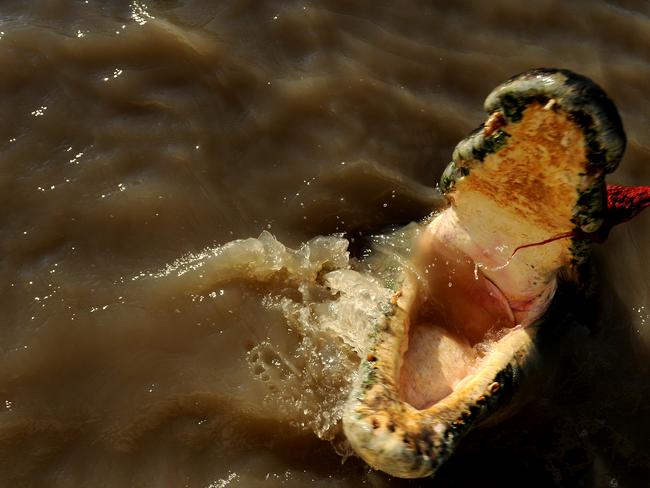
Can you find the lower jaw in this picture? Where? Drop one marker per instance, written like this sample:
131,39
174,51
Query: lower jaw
448,359
410,441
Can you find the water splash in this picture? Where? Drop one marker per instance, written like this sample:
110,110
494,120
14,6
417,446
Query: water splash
328,301
331,317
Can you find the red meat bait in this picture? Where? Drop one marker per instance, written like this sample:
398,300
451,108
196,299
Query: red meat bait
625,202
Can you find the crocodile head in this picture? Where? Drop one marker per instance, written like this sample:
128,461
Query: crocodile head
526,190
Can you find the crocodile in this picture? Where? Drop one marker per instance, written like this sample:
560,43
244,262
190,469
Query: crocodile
459,338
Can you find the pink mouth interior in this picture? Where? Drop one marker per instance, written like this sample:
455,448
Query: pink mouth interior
458,310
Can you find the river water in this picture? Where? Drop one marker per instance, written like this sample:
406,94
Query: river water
137,139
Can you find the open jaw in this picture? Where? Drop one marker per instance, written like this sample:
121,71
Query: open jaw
459,334
448,335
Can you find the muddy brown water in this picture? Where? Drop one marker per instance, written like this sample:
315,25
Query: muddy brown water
135,134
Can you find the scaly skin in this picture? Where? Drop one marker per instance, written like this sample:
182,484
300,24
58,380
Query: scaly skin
524,189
